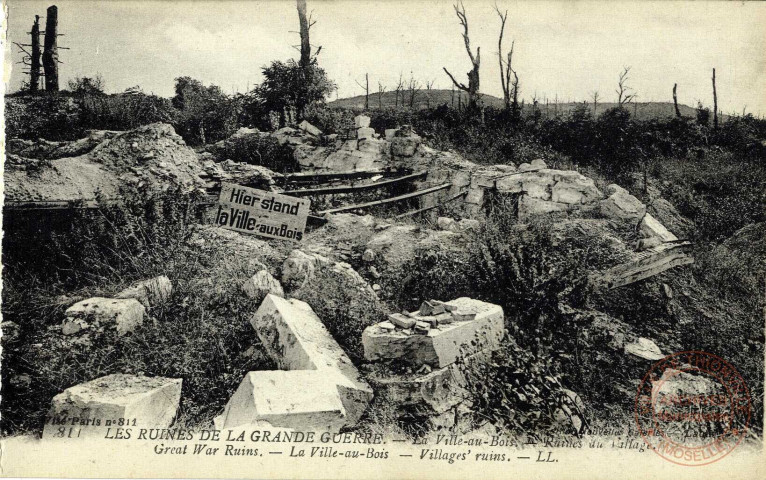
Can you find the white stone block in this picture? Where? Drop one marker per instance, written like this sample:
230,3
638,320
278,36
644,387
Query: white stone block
151,401
361,121
297,340
301,400
125,313
442,345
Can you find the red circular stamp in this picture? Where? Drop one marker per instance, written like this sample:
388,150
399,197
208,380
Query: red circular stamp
693,408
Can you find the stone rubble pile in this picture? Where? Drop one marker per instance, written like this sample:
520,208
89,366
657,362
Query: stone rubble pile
420,358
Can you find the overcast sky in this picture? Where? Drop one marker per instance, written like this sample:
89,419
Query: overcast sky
567,49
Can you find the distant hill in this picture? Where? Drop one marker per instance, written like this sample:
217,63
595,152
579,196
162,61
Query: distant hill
423,98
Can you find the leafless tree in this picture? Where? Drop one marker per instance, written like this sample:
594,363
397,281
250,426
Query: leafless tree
366,88
50,55
473,75
623,90
675,100
414,88
381,91
595,102
429,87
305,26
510,86
715,104
399,90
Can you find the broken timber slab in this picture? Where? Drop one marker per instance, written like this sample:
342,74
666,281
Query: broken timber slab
646,264
354,188
362,206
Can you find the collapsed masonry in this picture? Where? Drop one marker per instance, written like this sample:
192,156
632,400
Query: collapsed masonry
317,388
536,190
420,357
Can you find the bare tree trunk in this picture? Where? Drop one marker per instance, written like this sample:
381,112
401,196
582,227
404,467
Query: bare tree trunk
304,33
675,100
34,71
50,50
473,75
715,104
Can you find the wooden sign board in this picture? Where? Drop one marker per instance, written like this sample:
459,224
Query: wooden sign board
258,212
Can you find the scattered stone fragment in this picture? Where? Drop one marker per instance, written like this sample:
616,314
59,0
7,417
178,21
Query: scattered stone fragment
309,128
368,255
387,326
150,293
125,313
422,327
74,325
538,163
622,205
151,401
444,318
667,291
401,321
262,284
645,349
448,307
429,307
374,272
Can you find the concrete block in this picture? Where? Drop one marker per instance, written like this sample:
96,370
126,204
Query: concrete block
297,340
262,284
125,313
361,121
442,345
151,401
150,293
303,400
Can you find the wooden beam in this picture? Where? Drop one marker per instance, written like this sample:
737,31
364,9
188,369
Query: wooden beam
353,188
324,176
421,210
399,198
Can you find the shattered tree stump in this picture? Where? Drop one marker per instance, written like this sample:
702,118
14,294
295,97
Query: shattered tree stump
318,387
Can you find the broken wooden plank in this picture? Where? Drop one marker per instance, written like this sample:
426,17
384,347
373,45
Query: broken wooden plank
319,177
399,198
354,188
425,209
646,264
